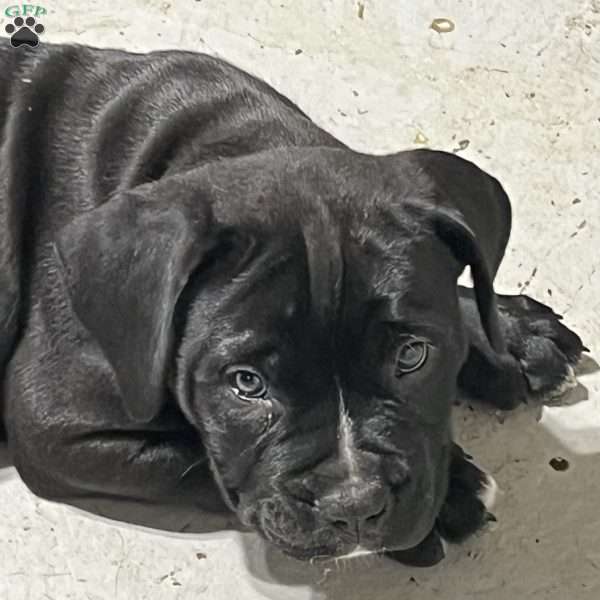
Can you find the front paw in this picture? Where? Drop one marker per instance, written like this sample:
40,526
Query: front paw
544,347
470,498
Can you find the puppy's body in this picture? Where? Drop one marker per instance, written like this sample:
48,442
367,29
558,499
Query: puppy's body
80,124
168,222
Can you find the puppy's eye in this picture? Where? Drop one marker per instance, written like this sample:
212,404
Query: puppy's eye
410,356
247,384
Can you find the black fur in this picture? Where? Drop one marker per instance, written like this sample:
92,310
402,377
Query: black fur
165,217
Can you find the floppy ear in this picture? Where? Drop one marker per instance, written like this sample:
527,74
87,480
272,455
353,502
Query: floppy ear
125,265
461,240
469,211
449,226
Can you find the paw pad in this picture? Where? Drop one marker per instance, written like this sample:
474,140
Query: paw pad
24,32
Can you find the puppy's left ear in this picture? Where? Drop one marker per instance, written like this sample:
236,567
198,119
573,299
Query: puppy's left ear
124,266
469,211
449,226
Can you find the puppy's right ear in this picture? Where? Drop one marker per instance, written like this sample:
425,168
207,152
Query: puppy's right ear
125,265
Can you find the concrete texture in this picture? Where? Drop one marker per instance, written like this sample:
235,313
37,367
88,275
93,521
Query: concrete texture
514,87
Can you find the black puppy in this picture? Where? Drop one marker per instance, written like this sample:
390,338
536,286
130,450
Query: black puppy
206,298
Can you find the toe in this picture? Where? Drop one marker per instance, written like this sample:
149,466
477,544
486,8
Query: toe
567,341
544,365
544,346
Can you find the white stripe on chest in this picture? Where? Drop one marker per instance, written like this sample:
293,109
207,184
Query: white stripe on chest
346,445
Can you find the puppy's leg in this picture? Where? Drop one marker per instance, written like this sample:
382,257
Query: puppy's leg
541,351
147,466
470,497
70,438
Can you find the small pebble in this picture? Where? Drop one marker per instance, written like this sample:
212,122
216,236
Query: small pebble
442,25
421,138
462,145
559,464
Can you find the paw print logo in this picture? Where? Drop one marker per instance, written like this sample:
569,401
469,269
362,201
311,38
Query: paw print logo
24,32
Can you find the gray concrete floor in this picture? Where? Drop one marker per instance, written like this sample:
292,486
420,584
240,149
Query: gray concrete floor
515,87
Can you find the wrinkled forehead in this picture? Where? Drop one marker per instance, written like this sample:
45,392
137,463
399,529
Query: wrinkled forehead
394,271
325,279
332,234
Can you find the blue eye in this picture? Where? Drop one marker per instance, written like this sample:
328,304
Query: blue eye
410,356
247,384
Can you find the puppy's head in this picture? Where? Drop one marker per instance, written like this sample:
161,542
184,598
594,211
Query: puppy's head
302,308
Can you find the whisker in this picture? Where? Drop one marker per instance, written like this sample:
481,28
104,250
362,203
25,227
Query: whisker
191,468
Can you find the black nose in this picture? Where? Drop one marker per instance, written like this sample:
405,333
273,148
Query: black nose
355,507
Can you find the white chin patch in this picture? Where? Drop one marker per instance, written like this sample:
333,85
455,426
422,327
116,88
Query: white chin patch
358,551
489,492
